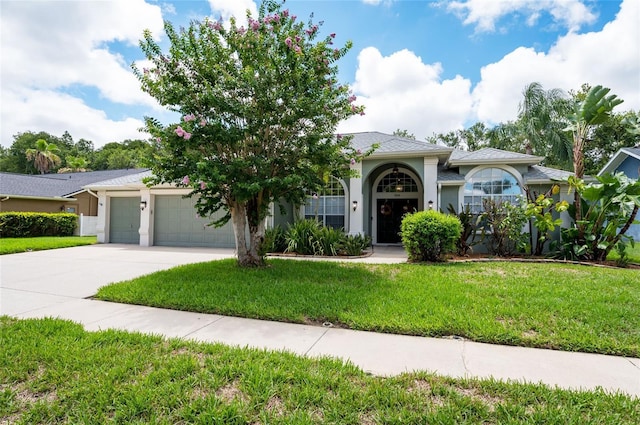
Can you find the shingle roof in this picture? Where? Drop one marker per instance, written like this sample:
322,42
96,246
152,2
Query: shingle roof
449,176
540,173
491,155
390,144
55,185
130,179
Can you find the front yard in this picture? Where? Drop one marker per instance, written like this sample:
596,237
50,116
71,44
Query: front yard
52,371
15,245
558,306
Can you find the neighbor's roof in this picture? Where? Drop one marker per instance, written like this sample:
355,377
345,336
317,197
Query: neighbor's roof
618,158
491,156
394,146
130,180
54,185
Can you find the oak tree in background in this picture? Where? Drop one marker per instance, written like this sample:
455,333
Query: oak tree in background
259,107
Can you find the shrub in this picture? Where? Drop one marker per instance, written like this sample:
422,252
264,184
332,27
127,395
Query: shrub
32,224
274,241
502,227
329,241
428,235
469,222
355,244
301,237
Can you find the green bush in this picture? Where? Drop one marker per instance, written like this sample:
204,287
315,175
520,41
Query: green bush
32,224
301,237
274,241
502,227
429,235
354,245
310,237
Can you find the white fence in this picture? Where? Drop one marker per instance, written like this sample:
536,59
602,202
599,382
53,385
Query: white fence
87,225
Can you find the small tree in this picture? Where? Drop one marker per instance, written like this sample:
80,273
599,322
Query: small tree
259,108
539,209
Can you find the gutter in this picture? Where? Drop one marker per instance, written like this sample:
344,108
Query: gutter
37,198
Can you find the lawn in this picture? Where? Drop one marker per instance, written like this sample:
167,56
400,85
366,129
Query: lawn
53,371
558,306
15,245
634,254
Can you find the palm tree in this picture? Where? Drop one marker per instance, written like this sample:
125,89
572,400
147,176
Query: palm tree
588,112
541,118
44,156
75,164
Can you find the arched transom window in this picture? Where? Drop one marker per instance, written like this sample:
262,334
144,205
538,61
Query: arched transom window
327,206
397,182
491,183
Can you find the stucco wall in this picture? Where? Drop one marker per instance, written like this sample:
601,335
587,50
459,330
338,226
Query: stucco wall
630,167
449,195
85,204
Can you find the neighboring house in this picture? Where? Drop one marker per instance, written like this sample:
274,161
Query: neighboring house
626,160
54,192
402,175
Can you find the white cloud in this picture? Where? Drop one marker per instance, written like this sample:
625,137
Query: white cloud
48,46
236,8
484,14
401,92
610,57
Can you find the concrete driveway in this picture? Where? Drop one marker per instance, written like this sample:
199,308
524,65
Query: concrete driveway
57,283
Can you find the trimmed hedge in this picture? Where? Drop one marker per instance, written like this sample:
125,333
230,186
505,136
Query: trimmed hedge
34,224
428,235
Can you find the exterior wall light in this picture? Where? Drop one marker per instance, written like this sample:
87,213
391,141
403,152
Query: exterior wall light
430,203
143,205
354,205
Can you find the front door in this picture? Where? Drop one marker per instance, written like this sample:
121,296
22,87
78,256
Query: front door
389,217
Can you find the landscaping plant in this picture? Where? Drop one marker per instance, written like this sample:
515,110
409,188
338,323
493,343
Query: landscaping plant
539,210
259,107
469,222
502,225
610,207
429,235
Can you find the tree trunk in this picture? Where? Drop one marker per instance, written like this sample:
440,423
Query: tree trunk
578,170
248,255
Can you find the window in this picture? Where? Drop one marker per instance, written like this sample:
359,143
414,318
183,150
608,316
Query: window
397,182
491,183
328,206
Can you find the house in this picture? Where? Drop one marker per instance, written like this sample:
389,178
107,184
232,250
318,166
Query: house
53,192
626,160
402,175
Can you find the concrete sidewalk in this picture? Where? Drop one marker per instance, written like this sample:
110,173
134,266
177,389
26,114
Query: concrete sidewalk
56,283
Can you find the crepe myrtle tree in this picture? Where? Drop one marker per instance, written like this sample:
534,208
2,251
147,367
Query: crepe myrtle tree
259,107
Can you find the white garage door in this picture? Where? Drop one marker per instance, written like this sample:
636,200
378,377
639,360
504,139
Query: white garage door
176,224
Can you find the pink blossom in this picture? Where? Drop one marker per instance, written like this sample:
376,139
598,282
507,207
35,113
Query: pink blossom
359,152
187,136
293,18
203,122
352,99
158,139
185,180
288,41
338,136
298,39
255,25
285,13
276,18
189,117
297,49
203,185
332,35
353,161
179,131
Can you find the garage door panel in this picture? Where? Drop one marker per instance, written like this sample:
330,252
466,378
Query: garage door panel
176,223
124,221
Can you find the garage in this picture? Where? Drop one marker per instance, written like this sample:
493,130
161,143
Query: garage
124,221
176,224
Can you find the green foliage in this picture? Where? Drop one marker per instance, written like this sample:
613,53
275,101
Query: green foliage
540,209
31,224
469,222
301,237
609,207
354,245
429,235
259,109
274,241
44,156
502,226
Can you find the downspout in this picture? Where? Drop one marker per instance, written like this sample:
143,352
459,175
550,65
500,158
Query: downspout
439,196
4,199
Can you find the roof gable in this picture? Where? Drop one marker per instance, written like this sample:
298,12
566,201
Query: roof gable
491,156
391,145
618,158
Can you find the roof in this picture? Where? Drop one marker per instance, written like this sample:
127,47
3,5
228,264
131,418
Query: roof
618,158
130,180
491,156
449,177
390,145
540,174
54,185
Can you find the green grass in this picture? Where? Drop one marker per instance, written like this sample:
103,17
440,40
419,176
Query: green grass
559,306
52,371
634,254
15,245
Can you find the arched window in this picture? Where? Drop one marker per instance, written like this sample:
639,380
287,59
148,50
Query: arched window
491,183
327,206
397,181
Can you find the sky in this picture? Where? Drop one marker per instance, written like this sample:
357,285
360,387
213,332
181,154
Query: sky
422,66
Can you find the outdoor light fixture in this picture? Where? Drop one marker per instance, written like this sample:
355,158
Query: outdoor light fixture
430,203
143,205
395,170
314,195
354,205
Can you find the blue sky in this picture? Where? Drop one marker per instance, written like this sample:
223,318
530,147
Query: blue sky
423,66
